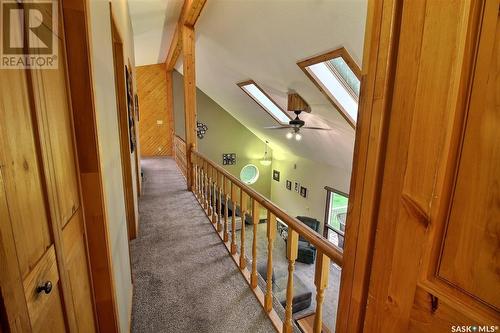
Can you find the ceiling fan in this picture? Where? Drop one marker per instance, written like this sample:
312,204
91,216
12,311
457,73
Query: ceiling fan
297,105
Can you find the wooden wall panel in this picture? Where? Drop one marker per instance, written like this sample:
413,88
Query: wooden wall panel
155,123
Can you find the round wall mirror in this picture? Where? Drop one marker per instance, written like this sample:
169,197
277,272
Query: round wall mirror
249,174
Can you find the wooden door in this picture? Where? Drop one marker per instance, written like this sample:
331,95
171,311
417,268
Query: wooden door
436,264
42,238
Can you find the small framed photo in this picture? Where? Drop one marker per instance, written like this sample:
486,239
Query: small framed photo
276,175
288,185
303,191
297,187
229,159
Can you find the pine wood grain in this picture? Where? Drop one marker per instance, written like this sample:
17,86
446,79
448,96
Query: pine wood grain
156,123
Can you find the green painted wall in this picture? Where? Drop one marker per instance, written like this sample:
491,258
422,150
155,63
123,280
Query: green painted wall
225,135
312,175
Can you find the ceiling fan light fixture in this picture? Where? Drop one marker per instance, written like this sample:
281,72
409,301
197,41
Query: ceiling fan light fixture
289,135
298,136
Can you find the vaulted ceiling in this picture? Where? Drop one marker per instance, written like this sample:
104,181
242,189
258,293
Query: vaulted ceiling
263,40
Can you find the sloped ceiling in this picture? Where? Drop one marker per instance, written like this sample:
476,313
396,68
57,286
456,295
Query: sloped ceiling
263,40
153,22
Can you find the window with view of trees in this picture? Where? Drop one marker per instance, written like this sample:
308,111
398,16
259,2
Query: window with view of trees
335,215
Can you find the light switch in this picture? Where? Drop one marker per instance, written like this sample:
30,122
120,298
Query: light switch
159,122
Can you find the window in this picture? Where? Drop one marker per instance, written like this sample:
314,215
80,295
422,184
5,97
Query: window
338,78
259,96
335,215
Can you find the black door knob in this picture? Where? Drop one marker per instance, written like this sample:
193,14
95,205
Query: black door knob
45,287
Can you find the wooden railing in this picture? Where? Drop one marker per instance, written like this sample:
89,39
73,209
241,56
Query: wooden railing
180,154
214,186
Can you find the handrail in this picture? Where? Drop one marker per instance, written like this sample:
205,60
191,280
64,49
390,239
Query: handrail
179,150
214,187
316,239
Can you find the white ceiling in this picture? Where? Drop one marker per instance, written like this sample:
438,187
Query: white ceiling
237,40
153,22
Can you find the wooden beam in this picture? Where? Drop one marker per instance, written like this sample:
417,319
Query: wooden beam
188,49
175,49
191,11
189,15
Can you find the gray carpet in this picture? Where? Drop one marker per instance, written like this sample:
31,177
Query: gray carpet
184,279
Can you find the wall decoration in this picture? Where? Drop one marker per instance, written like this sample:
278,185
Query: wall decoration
201,129
229,159
303,191
130,107
297,187
136,99
276,175
288,185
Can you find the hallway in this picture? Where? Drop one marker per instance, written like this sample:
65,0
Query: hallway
184,279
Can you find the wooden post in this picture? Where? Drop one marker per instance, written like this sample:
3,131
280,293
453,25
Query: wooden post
188,51
321,273
271,235
292,246
243,211
255,221
233,219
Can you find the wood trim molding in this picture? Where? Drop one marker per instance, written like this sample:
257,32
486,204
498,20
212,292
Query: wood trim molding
82,99
122,116
340,52
248,82
377,76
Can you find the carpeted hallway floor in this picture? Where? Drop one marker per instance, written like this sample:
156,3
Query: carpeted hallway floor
184,279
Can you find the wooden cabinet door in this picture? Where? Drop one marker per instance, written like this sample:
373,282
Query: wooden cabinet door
436,263
42,201
27,238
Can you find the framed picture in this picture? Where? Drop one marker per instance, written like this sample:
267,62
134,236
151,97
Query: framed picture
297,187
276,175
136,100
303,191
288,185
229,159
130,108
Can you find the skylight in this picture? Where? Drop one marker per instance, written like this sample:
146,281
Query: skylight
337,76
259,96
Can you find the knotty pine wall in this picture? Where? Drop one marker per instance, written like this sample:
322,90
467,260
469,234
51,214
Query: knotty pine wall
155,125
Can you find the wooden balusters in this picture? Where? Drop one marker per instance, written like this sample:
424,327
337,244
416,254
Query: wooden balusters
199,181
226,210
321,273
292,247
214,196
243,211
271,235
233,217
214,188
255,222
210,190
205,181
220,179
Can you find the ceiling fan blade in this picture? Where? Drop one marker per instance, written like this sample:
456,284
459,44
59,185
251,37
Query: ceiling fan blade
316,128
278,127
